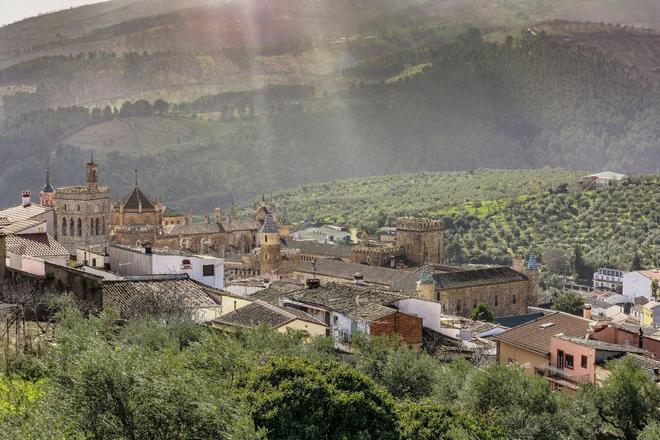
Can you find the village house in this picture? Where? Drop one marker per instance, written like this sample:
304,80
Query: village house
608,279
575,361
529,345
134,294
647,338
349,310
282,319
641,284
28,217
603,180
145,260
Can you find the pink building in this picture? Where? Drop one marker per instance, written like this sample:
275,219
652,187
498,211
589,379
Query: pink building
574,361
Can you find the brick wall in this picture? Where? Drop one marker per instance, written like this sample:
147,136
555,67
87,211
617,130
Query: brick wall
409,327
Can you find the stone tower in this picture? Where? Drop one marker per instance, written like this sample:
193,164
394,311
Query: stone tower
269,241
426,284
283,222
533,273
92,174
82,213
421,240
47,194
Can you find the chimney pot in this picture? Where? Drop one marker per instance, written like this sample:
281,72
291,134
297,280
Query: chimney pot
26,199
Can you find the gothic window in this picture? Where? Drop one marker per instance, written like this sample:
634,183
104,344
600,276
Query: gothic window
78,207
64,226
458,305
514,299
265,239
103,225
79,234
91,227
96,227
497,303
72,227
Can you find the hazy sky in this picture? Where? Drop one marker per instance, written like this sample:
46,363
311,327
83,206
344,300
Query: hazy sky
14,10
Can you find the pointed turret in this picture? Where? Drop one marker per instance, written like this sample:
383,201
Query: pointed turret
47,194
426,284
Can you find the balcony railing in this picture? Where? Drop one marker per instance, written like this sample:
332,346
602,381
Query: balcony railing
552,371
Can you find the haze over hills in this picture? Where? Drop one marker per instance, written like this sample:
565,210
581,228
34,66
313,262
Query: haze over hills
272,94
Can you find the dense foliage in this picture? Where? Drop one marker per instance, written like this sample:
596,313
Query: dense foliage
610,226
146,379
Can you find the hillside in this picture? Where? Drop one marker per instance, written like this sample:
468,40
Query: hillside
373,202
489,214
634,47
268,98
611,226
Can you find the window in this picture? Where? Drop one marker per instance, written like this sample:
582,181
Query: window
208,270
458,305
265,239
497,302
583,361
514,299
93,262
568,361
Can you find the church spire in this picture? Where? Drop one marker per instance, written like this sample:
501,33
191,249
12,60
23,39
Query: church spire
136,177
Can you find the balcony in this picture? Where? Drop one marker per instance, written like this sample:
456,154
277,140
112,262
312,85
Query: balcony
564,377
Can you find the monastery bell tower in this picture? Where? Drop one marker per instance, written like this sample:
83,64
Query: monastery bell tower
92,174
269,241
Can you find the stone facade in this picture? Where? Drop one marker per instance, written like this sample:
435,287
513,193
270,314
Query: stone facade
270,247
82,213
383,256
505,299
421,240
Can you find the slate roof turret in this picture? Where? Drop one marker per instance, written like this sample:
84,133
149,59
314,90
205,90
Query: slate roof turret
269,227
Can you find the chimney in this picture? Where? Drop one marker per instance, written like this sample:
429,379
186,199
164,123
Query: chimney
26,199
3,256
519,263
218,215
586,311
358,279
313,283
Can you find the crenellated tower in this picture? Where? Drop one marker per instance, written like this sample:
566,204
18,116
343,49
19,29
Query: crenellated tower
421,240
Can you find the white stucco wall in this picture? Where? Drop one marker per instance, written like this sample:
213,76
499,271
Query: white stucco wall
171,264
636,285
429,311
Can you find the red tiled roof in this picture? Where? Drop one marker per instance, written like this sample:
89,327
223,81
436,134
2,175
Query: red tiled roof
535,335
35,245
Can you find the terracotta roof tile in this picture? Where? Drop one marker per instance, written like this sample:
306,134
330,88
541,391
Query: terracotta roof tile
535,335
118,295
35,245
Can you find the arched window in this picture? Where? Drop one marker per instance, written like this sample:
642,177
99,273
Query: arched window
72,227
79,234
78,207
103,226
96,227
64,226
265,239
91,227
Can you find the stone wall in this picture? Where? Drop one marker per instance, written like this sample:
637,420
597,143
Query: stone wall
504,299
421,240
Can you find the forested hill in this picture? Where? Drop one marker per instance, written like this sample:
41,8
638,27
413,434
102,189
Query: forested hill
490,214
526,103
